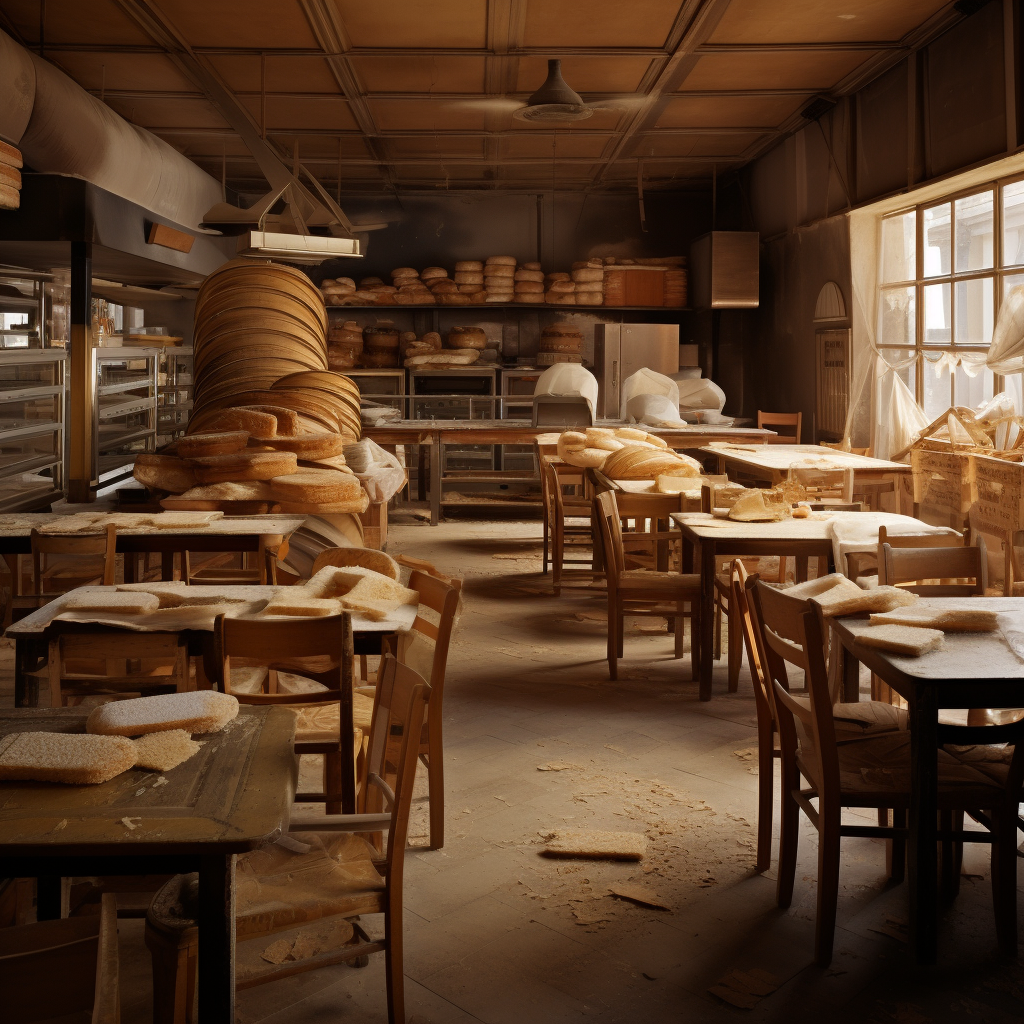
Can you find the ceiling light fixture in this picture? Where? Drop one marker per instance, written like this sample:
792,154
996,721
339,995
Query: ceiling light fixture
554,100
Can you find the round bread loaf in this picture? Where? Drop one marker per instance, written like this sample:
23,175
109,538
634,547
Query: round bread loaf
529,266
470,289
316,486
343,357
201,711
529,287
529,275
311,447
433,273
562,287
404,272
454,299
164,473
349,332
557,276
529,297
588,274
499,297
592,263
370,282
469,267
499,270
469,277
379,358
467,337
501,261
194,445
381,336
559,299
255,422
244,465
443,286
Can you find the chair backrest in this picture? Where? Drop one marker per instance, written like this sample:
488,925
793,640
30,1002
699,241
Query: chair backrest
344,557
283,645
820,484
709,484
790,422
837,446
393,748
792,633
606,507
915,540
77,546
441,599
906,567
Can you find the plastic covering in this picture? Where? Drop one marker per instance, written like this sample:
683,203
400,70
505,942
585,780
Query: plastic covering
700,393
380,472
569,380
61,129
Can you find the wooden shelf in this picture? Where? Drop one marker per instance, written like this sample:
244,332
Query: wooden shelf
519,305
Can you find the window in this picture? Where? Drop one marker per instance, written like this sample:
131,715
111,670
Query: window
945,268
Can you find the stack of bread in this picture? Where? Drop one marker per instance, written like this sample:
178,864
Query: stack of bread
443,289
528,283
380,346
10,177
624,453
499,278
469,278
411,290
464,347
588,277
344,345
559,289
560,343
254,323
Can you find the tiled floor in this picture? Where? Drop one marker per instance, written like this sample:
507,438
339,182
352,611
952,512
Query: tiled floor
538,739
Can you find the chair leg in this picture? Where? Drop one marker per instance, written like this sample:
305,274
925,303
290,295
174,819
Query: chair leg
620,632
394,969
765,796
735,648
694,642
332,780
718,630
789,834
544,556
557,554
828,883
613,638
949,855
435,781
174,977
677,628
896,850
1004,878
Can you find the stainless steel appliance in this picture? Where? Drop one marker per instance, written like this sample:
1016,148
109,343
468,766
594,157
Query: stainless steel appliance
622,349
459,393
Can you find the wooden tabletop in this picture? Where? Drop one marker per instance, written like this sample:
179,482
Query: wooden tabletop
779,457
195,619
709,527
234,795
131,524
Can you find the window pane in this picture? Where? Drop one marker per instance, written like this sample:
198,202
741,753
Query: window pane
936,240
899,248
898,317
1013,224
936,315
937,397
974,215
1011,281
975,309
972,391
904,361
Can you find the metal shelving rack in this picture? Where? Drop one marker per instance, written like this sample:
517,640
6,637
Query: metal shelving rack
13,300
124,410
174,392
32,418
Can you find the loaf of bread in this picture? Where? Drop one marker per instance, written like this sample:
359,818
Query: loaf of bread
636,463
70,758
197,445
94,599
908,640
529,275
949,620
499,270
433,273
454,357
562,287
164,473
366,558
162,751
244,465
362,590
253,422
295,601
529,287
231,490
312,446
315,486
588,275
469,267
201,711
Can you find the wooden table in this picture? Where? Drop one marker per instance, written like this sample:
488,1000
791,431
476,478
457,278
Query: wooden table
437,434
231,533
233,796
769,464
972,670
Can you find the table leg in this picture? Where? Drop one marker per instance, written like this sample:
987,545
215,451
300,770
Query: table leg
707,617
166,566
435,481
801,568
421,472
850,668
26,661
217,939
923,810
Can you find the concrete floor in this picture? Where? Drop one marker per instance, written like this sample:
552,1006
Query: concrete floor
538,739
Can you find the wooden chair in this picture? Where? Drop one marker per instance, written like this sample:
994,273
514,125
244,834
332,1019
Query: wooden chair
339,877
62,563
319,650
115,664
868,772
852,720
425,649
789,422
829,487
567,517
907,567
62,970
260,574
643,592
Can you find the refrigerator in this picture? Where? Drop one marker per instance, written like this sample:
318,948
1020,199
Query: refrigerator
622,349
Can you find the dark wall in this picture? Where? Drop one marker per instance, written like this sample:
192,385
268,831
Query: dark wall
940,110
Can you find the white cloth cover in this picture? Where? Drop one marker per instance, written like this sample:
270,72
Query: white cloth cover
1006,353
648,382
653,411
569,380
858,531
700,393
380,472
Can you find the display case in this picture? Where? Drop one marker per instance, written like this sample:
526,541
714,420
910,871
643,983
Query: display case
386,387
32,417
124,411
174,393
22,311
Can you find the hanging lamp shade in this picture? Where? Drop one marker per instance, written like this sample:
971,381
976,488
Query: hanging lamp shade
554,100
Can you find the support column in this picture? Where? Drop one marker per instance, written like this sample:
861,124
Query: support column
81,471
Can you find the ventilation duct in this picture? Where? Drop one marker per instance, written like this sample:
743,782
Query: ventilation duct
61,129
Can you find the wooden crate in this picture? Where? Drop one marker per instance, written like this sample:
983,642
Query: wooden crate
998,495
943,483
375,525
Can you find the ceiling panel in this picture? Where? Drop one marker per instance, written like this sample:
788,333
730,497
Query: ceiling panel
284,73
67,21
323,147
290,113
435,147
816,21
555,146
260,24
728,111
420,74
586,74
694,145
811,71
459,24
426,115
169,113
146,71
615,23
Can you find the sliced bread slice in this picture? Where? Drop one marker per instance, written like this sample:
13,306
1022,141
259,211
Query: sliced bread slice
198,712
910,640
64,757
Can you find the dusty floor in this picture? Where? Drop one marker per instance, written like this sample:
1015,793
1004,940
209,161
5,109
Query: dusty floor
538,739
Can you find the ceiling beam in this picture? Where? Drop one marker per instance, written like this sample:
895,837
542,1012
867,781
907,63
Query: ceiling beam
506,23
479,161
474,133
818,47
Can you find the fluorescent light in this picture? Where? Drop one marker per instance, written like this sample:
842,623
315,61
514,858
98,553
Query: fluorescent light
296,248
